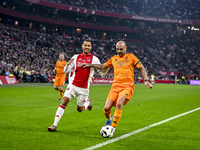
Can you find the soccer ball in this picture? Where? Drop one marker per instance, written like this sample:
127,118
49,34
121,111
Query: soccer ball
106,131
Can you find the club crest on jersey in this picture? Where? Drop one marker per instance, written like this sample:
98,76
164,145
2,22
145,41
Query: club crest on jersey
67,89
115,59
126,57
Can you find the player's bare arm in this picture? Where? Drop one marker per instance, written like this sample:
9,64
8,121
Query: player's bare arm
96,66
144,74
54,70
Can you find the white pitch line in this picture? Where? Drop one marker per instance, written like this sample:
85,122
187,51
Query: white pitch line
139,130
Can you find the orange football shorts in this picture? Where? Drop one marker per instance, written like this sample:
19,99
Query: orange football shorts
59,80
117,90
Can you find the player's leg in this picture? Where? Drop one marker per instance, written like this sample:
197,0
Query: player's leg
118,112
83,103
61,109
112,97
107,111
62,82
55,87
61,92
56,83
59,113
124,97
68,95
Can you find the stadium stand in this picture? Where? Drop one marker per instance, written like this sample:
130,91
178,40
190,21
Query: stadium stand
181,9
29,48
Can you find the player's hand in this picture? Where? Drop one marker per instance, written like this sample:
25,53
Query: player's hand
70,61
148,84
85,65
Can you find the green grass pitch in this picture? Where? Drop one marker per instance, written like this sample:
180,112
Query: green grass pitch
27,110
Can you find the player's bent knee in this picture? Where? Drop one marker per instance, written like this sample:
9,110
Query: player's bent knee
65,101
79,109
106,108
119,106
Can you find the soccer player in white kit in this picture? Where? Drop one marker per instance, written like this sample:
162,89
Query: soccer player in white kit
79,82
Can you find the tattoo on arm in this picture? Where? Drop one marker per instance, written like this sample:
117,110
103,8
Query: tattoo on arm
98,66
143,71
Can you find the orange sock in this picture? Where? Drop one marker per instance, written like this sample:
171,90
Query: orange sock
117,116
107,113
61,94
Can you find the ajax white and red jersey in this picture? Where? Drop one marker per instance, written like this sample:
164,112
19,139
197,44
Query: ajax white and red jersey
79,76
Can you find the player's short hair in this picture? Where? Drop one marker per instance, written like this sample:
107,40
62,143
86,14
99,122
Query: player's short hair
87,40
61,54
121,42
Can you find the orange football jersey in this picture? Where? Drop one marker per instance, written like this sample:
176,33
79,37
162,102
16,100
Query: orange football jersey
124,68
60,67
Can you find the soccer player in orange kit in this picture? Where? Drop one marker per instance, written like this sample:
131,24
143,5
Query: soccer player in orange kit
60,76
123,86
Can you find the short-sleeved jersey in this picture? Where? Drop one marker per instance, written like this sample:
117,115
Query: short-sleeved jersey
60,67
124,68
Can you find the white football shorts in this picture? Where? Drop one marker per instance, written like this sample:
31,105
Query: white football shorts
81,93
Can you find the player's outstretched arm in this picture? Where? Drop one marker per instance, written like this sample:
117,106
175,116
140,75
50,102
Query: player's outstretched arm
70,61
66,69
96,66
144,74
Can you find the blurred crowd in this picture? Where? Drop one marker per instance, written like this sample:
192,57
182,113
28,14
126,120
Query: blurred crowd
31,56
178,9
180,49
34,54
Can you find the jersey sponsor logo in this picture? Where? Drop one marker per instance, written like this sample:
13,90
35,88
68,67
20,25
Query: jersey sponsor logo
120,63
88,59
78,64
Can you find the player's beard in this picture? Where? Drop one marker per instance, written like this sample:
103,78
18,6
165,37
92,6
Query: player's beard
121,54
86,51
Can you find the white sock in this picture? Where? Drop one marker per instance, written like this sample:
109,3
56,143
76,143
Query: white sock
59,114
86,104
